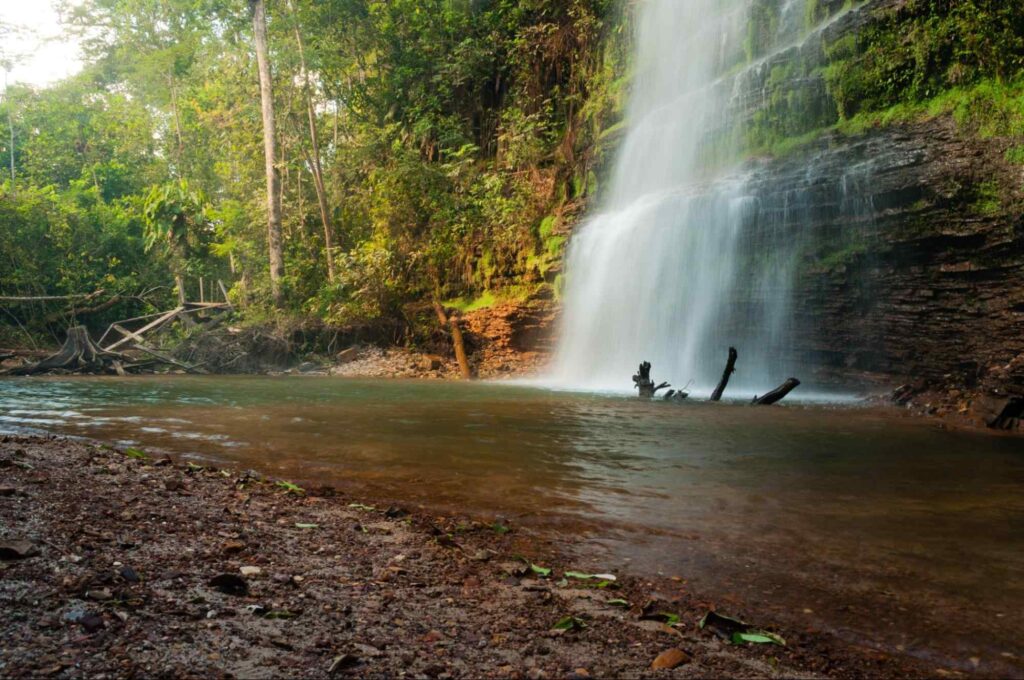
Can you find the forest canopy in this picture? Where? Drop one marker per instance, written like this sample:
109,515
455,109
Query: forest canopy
420,145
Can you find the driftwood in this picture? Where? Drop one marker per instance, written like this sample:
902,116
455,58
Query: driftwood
164,318
78,354
189,368
730,368
643,382
28,353
50,298
778,394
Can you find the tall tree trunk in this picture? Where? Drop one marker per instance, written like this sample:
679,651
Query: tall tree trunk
314,138
177,123
259,29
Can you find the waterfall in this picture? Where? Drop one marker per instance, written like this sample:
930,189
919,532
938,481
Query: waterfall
690,253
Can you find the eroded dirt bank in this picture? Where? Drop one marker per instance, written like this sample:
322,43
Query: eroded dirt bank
126,566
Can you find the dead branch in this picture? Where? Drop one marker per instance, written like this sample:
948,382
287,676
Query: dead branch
778,394
730,368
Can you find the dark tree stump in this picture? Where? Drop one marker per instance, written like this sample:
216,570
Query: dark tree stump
643,382
79,355
730,368
778,394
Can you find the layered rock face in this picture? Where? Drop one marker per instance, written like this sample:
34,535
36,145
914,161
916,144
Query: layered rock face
911,259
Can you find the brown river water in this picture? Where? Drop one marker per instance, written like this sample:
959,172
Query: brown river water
883,529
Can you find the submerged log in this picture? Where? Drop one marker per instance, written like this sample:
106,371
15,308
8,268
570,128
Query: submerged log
78,354
730,368
642,381
778,394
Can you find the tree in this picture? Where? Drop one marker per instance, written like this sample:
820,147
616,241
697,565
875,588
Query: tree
315,160
173,213
274,242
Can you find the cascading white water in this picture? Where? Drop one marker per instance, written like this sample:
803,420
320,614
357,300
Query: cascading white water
660,274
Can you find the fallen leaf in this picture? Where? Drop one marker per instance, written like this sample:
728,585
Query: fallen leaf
670,658
760,637
342,661
569,623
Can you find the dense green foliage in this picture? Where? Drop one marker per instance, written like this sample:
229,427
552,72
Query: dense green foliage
457,139
913,60
453,135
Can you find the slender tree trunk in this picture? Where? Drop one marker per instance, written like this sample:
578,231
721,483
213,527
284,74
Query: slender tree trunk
10,127
274,246
177,122
453,326
457,341
318,175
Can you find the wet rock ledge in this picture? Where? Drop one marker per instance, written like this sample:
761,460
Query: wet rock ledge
122,564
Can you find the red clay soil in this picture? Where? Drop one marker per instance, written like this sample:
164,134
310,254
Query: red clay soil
120,565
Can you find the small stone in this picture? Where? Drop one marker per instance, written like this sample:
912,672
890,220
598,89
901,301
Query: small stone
100,595
368,651
431,362
347,355
250,571
17,550
129,575
8,491
578,674
91,622
232,547
670,658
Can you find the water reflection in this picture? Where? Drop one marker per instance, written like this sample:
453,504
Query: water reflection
833,509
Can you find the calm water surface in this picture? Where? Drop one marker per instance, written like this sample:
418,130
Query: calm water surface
854,520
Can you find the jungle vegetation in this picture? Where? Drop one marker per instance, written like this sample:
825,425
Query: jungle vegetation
345,159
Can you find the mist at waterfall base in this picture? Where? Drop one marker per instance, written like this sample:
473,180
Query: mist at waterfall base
693,252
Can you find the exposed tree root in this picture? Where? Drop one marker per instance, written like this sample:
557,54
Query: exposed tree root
79,354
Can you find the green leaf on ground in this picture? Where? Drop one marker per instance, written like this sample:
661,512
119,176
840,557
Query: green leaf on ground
759,637
540,571
303,525
360,506
500,528
135,453
569,623
290,488
280,614
586,577
618,602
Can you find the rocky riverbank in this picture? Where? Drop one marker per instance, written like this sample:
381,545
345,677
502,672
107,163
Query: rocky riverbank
119,563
